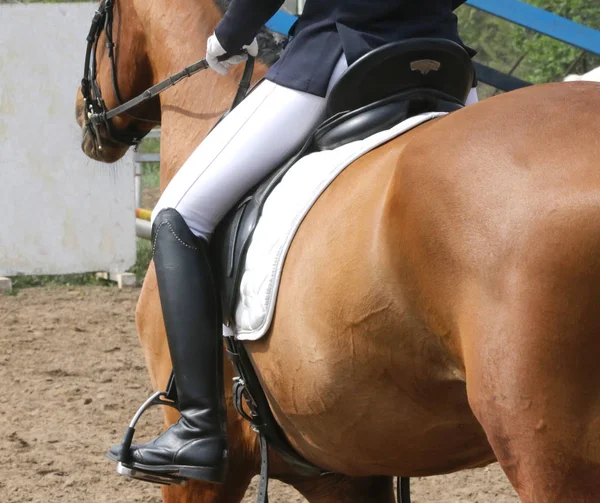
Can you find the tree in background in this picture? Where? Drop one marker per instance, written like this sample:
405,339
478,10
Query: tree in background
524,53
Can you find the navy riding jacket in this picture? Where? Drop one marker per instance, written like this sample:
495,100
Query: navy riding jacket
327,28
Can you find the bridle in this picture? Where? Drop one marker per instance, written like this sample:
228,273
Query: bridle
95,112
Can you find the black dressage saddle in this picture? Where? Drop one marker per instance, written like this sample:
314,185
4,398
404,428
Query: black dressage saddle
386,86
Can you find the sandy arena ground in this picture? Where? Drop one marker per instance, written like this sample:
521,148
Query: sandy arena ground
73,374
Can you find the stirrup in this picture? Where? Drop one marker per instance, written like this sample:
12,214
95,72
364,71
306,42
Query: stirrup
156,478
123,465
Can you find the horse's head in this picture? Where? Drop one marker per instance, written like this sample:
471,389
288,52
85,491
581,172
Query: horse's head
117,69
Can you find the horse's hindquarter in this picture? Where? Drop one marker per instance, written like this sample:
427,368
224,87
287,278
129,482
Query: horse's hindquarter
364,367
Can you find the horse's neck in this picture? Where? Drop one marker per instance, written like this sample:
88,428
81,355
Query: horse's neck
176,39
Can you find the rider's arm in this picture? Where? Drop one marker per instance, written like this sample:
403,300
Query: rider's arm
242,21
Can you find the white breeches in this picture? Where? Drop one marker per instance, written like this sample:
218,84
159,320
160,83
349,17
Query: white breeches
268,127
257,136
472,98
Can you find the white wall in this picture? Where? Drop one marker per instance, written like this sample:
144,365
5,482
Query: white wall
61,212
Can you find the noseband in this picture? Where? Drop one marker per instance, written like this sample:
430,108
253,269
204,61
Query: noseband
96,113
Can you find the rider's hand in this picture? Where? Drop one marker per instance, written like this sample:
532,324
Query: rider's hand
214,49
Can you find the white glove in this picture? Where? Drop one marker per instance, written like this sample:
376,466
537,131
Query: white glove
214,49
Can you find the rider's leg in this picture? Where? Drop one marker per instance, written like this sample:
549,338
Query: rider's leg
196,446
266,128
249,143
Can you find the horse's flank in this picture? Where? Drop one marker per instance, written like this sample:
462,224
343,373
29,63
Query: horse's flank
416,254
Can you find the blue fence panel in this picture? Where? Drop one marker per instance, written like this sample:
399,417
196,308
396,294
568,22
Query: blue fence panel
281,22
498,79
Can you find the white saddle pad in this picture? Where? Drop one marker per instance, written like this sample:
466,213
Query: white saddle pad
283,213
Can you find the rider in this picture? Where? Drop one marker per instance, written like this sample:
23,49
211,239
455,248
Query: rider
255,138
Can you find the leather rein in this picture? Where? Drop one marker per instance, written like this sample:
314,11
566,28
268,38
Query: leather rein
96,112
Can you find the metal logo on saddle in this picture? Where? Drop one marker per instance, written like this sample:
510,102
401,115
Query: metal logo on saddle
425,66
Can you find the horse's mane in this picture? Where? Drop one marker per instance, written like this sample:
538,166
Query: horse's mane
271,44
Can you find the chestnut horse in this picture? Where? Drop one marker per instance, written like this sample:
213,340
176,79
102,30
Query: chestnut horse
439,306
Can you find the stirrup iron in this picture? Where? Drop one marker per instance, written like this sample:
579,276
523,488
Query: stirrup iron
156,478
168,398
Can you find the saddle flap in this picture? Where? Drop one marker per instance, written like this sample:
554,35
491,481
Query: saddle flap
233,236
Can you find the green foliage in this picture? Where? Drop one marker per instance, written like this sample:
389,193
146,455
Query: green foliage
524,53
20,282
490,36
150,170
151,175
548,59
150,145
143,258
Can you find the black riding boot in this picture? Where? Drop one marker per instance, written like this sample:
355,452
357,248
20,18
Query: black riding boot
196,446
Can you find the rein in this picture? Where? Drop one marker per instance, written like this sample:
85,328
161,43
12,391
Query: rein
96,113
